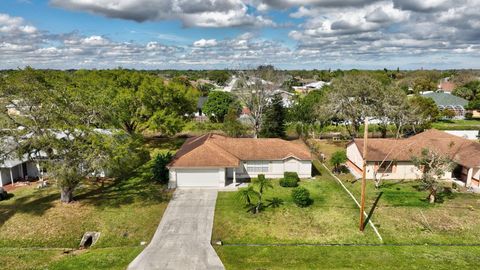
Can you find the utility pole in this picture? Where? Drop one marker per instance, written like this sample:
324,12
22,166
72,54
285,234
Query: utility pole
364,176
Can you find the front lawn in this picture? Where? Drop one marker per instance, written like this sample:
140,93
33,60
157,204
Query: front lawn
457,125
36,229
404,215
333,217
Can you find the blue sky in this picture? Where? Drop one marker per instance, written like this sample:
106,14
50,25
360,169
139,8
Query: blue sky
301,34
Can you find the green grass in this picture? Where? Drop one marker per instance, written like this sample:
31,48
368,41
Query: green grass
457,125
308,257
125,212
94,258
404,215
332,218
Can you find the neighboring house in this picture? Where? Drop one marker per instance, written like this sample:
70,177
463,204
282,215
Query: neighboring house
446,85
213,160
448,101
467,134
246,117
392,158
287,97
310,86
13,169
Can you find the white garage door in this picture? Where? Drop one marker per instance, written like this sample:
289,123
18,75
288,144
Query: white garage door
198,178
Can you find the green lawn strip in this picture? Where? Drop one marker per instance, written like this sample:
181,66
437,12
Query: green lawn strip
20,259
457,125
347,257
332,218
104,258
94,258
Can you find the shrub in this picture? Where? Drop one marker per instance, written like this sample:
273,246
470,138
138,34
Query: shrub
469,115
301,197
290,179
261,177
3,194
159,170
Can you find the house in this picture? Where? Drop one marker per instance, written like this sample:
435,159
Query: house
13,169
287,97
448,101
392,158
446,85
467,134
310,86
213,160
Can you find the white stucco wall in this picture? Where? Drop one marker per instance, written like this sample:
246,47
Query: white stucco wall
32,169
5,175
476,173
400,170
276,168
353,154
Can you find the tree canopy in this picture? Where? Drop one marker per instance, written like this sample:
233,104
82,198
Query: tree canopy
218,104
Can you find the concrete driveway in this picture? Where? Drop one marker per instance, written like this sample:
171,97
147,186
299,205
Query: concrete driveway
182,240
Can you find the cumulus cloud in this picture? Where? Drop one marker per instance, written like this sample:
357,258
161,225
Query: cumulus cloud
201,13
15,25
202,43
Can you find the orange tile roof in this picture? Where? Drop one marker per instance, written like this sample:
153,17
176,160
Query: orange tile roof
213,150
461,150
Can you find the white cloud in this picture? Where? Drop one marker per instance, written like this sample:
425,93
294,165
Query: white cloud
202,43
15,25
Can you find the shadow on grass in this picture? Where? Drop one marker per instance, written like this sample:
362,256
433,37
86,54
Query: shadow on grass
136,188
35,204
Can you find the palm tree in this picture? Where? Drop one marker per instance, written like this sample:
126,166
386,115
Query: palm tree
252,195
247,194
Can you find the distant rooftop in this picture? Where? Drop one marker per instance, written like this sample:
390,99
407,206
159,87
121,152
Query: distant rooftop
445,99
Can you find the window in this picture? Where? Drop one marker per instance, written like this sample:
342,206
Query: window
257,166
385,167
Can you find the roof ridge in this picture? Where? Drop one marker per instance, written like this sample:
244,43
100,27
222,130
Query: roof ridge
211,143
226,150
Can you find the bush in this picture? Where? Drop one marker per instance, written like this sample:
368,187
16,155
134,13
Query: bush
469,115
290,179
301,197
3,194
159,170
261,177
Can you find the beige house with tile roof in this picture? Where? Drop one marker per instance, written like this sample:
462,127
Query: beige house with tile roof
213,160
392,158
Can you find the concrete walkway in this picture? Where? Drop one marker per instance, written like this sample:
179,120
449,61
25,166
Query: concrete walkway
182,240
